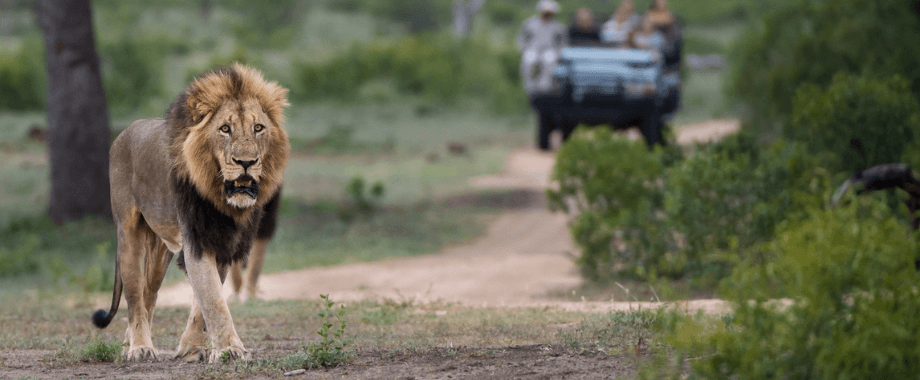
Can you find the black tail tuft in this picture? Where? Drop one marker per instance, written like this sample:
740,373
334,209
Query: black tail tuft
101,318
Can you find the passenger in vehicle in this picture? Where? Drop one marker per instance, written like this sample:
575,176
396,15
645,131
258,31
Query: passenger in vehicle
584,31
540,41
662,18
616,30
646,37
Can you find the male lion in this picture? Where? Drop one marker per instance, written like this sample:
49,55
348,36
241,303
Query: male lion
198,183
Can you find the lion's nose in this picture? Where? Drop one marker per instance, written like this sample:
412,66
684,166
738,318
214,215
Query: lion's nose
245,164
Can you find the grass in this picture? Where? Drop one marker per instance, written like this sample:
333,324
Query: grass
276,331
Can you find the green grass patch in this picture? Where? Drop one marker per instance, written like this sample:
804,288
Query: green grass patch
101,351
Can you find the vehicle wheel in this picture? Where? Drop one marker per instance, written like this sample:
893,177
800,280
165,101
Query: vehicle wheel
651,130
545,126
568,127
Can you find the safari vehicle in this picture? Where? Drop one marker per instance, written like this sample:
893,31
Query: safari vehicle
622,87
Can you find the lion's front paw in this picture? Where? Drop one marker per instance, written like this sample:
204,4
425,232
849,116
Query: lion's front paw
142,353
191,354
229,354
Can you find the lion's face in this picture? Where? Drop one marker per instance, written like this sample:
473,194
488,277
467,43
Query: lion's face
237,134
229,139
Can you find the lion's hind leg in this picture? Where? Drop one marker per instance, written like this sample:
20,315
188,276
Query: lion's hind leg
193,343
139,266
245,287
267,225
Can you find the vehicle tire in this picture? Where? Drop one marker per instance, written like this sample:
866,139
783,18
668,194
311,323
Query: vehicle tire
651,130
568,127
545,127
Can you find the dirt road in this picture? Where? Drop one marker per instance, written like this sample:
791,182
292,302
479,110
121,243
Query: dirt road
526,254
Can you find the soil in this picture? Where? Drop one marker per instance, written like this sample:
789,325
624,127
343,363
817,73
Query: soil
520,362
525,256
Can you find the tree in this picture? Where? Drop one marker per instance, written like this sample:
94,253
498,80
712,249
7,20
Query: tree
78,121
464,13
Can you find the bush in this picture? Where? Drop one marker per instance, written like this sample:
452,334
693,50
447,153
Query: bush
850,276
435,67
132,71
415,15
729,197
332,348
23,78
101,351
809,42
858,121
653,214
613,187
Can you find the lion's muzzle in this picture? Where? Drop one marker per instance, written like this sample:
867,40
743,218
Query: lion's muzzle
243,185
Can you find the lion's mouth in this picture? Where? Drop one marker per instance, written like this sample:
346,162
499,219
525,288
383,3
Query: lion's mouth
245,185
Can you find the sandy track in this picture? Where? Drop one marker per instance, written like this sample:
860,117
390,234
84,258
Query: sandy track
525,255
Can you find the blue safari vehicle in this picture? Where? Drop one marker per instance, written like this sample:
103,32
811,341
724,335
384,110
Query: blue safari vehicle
603,85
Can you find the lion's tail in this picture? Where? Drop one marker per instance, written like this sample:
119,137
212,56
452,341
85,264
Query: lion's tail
102,319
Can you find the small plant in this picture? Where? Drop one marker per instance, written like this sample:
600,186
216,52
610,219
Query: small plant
99,350
616,332
362,202
331,350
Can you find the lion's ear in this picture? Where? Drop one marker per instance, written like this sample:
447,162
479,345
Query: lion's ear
278,95
198,108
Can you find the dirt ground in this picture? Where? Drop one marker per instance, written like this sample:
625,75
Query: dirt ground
525,256
521,362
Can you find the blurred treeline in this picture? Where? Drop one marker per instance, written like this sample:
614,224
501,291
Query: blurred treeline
346,50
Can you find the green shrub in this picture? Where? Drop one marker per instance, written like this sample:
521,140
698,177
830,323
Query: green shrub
23,77
724,200
807,41
101,351
439,68
655,214
132,71
613,186
20,260
332,348
415,15
857,121
850,277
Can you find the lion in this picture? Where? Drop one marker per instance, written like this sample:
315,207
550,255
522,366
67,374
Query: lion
203,183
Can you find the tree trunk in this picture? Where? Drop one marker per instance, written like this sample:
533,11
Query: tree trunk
464,13
78,121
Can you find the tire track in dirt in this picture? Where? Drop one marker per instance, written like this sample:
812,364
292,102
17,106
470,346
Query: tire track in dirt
525,255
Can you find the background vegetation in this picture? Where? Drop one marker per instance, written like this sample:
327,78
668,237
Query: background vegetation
820,291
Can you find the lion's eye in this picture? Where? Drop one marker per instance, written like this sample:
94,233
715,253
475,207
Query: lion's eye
259,127
225,128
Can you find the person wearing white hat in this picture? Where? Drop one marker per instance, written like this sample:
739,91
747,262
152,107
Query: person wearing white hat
540,40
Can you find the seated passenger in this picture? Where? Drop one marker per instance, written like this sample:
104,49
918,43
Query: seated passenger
662,18
648,38
540,41
583,30
616,30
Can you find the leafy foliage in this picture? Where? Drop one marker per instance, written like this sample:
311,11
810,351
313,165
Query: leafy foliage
331,350
807,41
22,77
613,187
729,197
850,277
101,351
434,67
634,215
858,121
